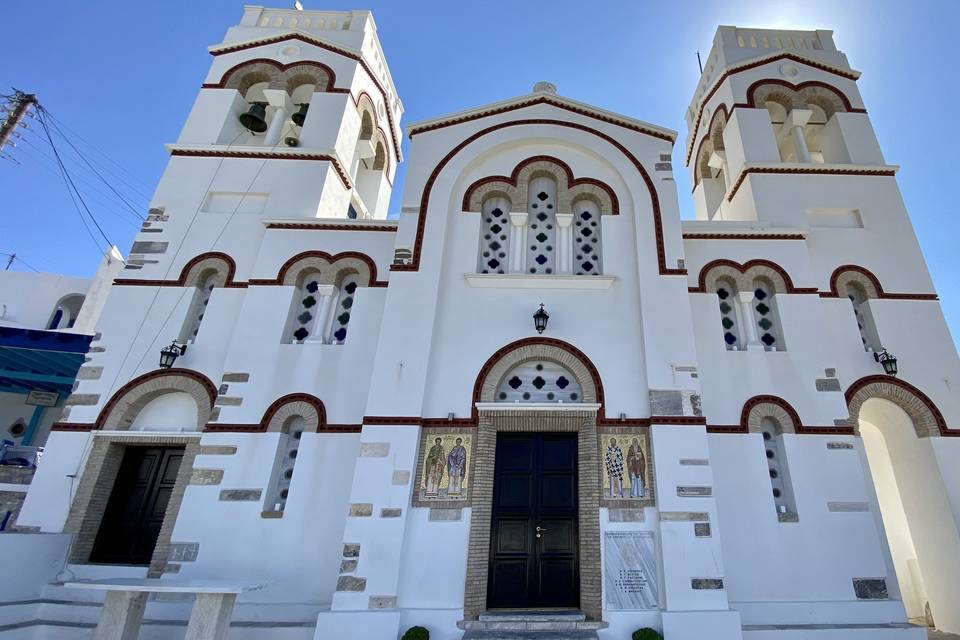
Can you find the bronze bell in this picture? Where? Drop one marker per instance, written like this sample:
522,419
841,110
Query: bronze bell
300,115
255,118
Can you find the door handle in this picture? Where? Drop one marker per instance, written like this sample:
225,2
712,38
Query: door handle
539,531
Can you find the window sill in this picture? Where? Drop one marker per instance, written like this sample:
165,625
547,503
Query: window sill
523,281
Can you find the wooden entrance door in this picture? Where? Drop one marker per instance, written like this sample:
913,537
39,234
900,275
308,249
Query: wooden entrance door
533,542
131,523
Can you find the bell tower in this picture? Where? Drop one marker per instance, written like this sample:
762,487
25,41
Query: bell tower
310,92
775,109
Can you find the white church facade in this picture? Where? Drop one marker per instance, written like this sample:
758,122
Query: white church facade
537,389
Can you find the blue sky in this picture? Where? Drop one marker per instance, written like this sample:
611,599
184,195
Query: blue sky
123,77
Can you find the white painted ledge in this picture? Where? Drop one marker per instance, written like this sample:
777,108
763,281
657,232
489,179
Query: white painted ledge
523,281
157,585
537,406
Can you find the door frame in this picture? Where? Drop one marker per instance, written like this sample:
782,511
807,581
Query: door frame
96,486
495,418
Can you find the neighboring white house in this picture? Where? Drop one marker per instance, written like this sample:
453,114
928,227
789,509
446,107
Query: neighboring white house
374,419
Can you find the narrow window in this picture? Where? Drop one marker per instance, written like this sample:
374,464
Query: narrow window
344,307
198,307
494,235
542,222
587,247
765,315
283,464
727,295
861,311
777,467
305,307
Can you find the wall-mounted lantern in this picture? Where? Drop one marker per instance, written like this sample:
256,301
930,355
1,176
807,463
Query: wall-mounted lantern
540,319
888,361
169,355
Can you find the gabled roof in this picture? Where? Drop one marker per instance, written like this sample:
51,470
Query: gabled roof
543,93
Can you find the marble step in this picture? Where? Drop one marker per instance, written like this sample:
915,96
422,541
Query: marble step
530,635
535,624
533,615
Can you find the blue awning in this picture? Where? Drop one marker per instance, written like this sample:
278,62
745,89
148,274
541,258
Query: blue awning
40,360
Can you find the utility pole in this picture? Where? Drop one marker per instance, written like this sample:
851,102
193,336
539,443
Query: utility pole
699,64
16,108
13,257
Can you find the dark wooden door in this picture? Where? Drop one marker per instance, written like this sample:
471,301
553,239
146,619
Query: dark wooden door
533,543
134,514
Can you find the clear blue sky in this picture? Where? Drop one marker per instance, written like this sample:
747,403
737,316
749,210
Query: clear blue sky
123,75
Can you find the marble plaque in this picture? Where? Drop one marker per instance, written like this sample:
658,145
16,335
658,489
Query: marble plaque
630,570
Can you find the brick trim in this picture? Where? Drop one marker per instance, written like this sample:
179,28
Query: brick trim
513,179
813,170
223,260
926,417
759,407
327,226
759,264
752,65
844,269
742,236
554,102
431,180
588,490
268,155
371,265
219,51
305,405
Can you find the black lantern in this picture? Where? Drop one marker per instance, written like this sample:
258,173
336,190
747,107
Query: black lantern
169,355
540,319
888,360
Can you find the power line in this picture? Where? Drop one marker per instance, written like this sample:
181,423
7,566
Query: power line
104,198
69,182
91,167
57,120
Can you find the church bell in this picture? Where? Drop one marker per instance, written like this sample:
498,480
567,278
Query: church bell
300,115
255,118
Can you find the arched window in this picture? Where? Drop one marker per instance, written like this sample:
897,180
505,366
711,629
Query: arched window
305,321
780,486
198,306
861,311
65,313
346,292
494,235
727,295
364,151
587,254
283,465
542,234
765,315
539,381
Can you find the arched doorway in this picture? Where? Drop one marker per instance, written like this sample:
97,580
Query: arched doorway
895,422
536,402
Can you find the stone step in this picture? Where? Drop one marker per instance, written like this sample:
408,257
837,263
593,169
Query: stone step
530,635
531,625
533,614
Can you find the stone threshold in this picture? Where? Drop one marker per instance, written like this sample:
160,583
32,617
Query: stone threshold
534,620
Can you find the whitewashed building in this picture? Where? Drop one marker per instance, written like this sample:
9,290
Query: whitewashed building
369,422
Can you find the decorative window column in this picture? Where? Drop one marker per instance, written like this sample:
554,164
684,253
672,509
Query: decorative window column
279,99
796,120
750,327
518,242
325,294
564,242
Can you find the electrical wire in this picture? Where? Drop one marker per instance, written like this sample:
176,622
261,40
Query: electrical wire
126,202
69,180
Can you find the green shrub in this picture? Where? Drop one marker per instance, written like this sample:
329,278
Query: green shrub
416,633
646,634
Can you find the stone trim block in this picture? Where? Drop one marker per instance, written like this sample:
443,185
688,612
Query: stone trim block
351,550
89,373
382,602
839,445
240,495
216,450
827,384
235,377
701,529
390,512
445,515
374,449
351,583
684,516
82,399
361,510
401,477
848,506
183,551
627,515
694,462
694,492
206,476
271,515
149,247
706,583
348,566
870,588
228,401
